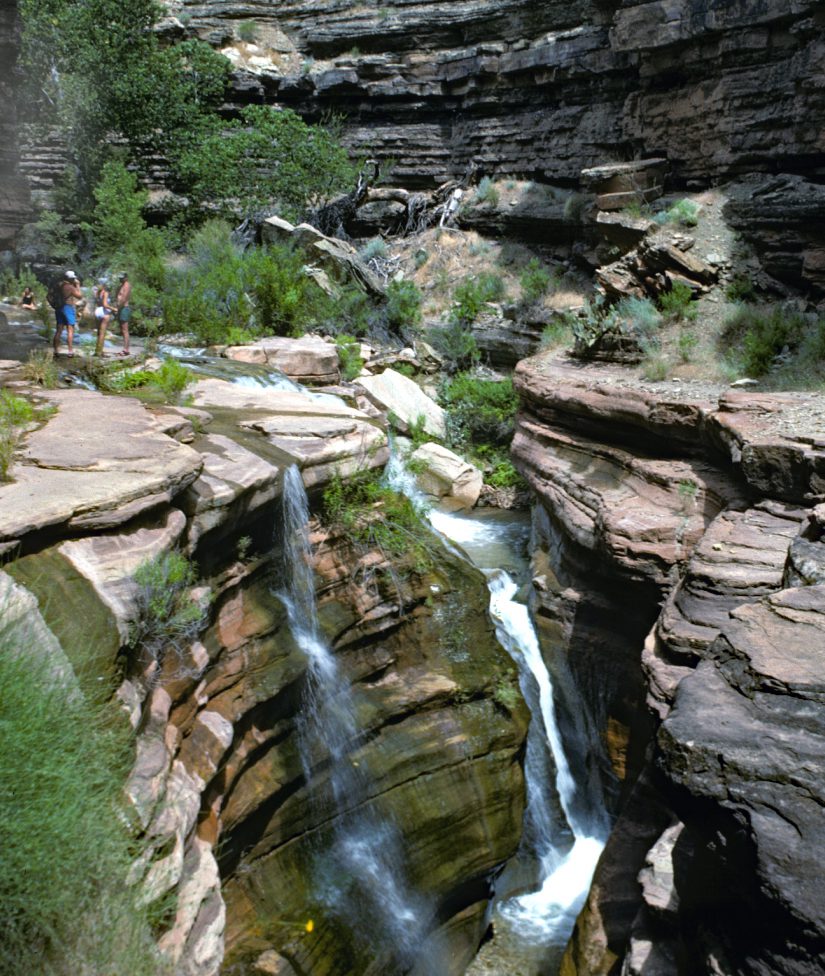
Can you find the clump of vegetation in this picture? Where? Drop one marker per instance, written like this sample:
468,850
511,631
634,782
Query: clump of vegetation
636,319
40,369
687,343
456,345
678,302
535,282
374,516
65,848
349,356
248,31
557,332
13,285
167,619
472,294
376,248
764,334
15,415
172,379
403,310
575,207
486,192
684,212
741,289
480,418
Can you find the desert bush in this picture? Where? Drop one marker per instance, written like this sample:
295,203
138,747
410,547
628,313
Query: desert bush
741,289
688,341
403,309
349,356
535,282
478,411
456,345
376,248
556,333
172,379
472,294
762,333
248,31
684,212
486,192
678,302
15,413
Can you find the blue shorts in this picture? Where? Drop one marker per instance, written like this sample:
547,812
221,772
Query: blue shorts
66,315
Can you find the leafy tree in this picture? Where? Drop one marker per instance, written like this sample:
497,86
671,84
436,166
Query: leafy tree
267,156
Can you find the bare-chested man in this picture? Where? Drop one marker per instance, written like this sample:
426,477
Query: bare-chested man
124,293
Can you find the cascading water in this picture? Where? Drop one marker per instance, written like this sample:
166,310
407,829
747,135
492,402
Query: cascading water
565,837
361,879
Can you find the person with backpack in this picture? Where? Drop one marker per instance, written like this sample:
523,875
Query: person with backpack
63,298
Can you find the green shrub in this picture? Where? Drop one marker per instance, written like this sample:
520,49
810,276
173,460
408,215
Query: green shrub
456,345
403,306
15,413
479,411
248,31
575,207
557,332
535,281
684,212
472,294
504,475
486,192
168,619
374,516
349,356
762,333
635,316
678,302
688,341
12,286
376,248
655,366
172,379
741,289
65,849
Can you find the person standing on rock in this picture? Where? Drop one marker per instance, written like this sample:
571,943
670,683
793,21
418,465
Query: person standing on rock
65,313
103,313
124,293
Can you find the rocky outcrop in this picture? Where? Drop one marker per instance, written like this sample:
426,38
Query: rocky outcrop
686,518
14,198
232,817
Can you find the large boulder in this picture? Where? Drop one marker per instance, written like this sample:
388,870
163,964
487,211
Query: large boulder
447,477
400,396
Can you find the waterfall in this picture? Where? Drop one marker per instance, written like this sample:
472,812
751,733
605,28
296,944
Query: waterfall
545,916
361,879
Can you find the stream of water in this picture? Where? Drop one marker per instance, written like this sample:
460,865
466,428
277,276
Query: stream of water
361,879
565,824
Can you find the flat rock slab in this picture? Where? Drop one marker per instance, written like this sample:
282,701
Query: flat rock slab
97,463
308,359
320,434
395,393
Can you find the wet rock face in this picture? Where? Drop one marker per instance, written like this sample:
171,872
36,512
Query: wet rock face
14,199
701,517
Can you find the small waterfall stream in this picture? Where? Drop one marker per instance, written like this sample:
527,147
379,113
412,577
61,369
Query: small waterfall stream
566,847
361,880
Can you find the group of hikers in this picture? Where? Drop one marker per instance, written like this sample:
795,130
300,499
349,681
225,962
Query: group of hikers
66,297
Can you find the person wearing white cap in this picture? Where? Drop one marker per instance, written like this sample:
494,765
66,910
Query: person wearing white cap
65,310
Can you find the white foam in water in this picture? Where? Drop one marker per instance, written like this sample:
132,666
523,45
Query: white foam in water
547,915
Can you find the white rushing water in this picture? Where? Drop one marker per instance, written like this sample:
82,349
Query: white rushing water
546,915
362,878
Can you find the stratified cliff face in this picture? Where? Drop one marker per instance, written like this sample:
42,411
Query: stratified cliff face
544,90
14,190
700,519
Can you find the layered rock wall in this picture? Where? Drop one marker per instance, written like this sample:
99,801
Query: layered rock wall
14,190
544,90
696,520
